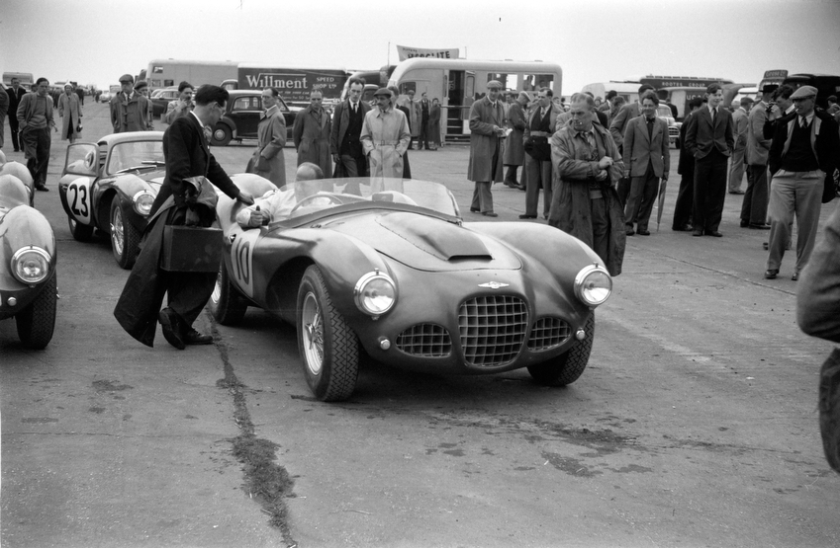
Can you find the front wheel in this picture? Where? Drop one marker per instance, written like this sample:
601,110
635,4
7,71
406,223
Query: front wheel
221,135
567,367
227,305
36,322
125,239
80,232
328,347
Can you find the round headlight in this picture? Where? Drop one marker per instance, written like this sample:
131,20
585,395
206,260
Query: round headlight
375,293
593,285
143,201
31,265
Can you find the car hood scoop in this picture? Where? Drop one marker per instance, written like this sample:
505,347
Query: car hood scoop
446,241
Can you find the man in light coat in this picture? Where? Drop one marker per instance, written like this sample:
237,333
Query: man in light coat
740,121
269,161
312,134
129,109
385,137
754,207
487,120
647,159
68,104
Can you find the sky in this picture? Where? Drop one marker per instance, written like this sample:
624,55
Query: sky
96,41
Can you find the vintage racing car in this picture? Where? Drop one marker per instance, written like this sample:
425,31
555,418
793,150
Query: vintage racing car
28,289
22,173
394,271
111,186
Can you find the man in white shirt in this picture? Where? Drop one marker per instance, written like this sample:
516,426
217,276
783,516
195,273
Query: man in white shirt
277,204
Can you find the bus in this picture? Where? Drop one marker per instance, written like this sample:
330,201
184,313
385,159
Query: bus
25,78
458,83
628,90
165,73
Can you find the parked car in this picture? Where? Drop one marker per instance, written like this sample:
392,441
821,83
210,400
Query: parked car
242,116
111,186
22,173
160,100
826,84
105,96
28,280
664,111
394,272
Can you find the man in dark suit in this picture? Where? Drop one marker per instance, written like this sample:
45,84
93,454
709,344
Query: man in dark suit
16,93
710,139
617,127
348,119
187,155
541,125
423,140
685,197
646,160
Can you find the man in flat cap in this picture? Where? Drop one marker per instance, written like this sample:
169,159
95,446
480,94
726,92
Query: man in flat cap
487,120
385,137
806,147
129,108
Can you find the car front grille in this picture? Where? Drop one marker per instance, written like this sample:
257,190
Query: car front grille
428,340
492,329
547,333
674,131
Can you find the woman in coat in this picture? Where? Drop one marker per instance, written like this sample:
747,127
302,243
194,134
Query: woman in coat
271,133
68,104
433,127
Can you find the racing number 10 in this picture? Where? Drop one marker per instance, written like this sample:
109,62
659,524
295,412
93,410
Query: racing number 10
242,261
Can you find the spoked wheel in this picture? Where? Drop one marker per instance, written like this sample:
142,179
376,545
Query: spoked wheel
567,367
80,232
125,239
328,347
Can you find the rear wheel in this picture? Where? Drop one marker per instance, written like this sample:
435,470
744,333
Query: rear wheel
328,347
125,239
80,232
567,367
221,135
227,305
36,322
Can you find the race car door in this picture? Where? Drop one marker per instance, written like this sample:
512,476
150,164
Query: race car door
81,167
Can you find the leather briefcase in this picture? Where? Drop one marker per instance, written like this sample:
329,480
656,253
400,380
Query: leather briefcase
191,249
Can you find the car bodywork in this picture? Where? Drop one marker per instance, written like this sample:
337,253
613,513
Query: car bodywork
28,290
160,100
242,117
470,298
110,186
22,173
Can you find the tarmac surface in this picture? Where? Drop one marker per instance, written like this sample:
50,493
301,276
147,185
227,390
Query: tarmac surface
695,423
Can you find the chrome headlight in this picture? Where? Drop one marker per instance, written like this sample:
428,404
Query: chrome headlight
143,201
375,293
31,265
593,285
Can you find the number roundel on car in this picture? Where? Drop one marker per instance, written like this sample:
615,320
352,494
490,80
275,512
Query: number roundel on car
79,199
242,260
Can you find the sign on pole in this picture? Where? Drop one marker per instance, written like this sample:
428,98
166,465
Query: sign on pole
440,53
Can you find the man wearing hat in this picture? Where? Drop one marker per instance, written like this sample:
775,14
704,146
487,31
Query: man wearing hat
142,88
129,108
70,112
754,206
806,147
385,137
487,120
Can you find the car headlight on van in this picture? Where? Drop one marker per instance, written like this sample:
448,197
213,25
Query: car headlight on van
143,201
593,285
375,293
31,265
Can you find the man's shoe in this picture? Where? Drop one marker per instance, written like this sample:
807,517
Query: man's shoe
521,187
194,337
745,224
42,188
527,216
697,232
684,228
170,324
630,232
490,214
642,232
795,276
759,227
474,210
771,274
736,191
714,233
766,246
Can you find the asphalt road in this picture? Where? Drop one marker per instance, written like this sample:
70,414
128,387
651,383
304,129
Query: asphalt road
695,423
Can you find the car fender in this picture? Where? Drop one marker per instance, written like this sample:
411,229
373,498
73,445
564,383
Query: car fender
21,227
123,189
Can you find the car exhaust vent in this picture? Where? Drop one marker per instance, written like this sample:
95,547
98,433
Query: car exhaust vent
492,329
428,340
548,333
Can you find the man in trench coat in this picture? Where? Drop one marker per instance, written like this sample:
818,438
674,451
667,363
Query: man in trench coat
515,142
487,120
311,134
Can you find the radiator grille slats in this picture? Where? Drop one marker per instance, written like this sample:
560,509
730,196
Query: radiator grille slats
547,333
428,340
492,329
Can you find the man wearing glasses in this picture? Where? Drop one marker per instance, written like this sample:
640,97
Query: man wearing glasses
345,144
188,159
129,109
35,118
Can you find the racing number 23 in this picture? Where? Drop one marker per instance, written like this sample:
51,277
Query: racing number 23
78,198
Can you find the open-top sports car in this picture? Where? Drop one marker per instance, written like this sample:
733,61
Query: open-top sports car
392,270
27,265
20,171
111,186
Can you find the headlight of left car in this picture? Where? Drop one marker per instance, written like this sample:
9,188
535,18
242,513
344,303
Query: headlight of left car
375,293
593,285
143,201
31,265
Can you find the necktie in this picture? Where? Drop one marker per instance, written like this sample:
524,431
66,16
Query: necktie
714,113
354,107
801,121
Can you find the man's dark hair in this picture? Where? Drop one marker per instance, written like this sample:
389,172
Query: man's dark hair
355,80
783,92
643,88
695,102
832,98
711,89
39,80
183,85
611,93
746,101
209,93
548,92
619,100
274,92
650,95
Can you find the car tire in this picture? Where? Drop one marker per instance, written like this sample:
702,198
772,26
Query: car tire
567,367
328,347
227,305
221,135
80,232
36,322
125,239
